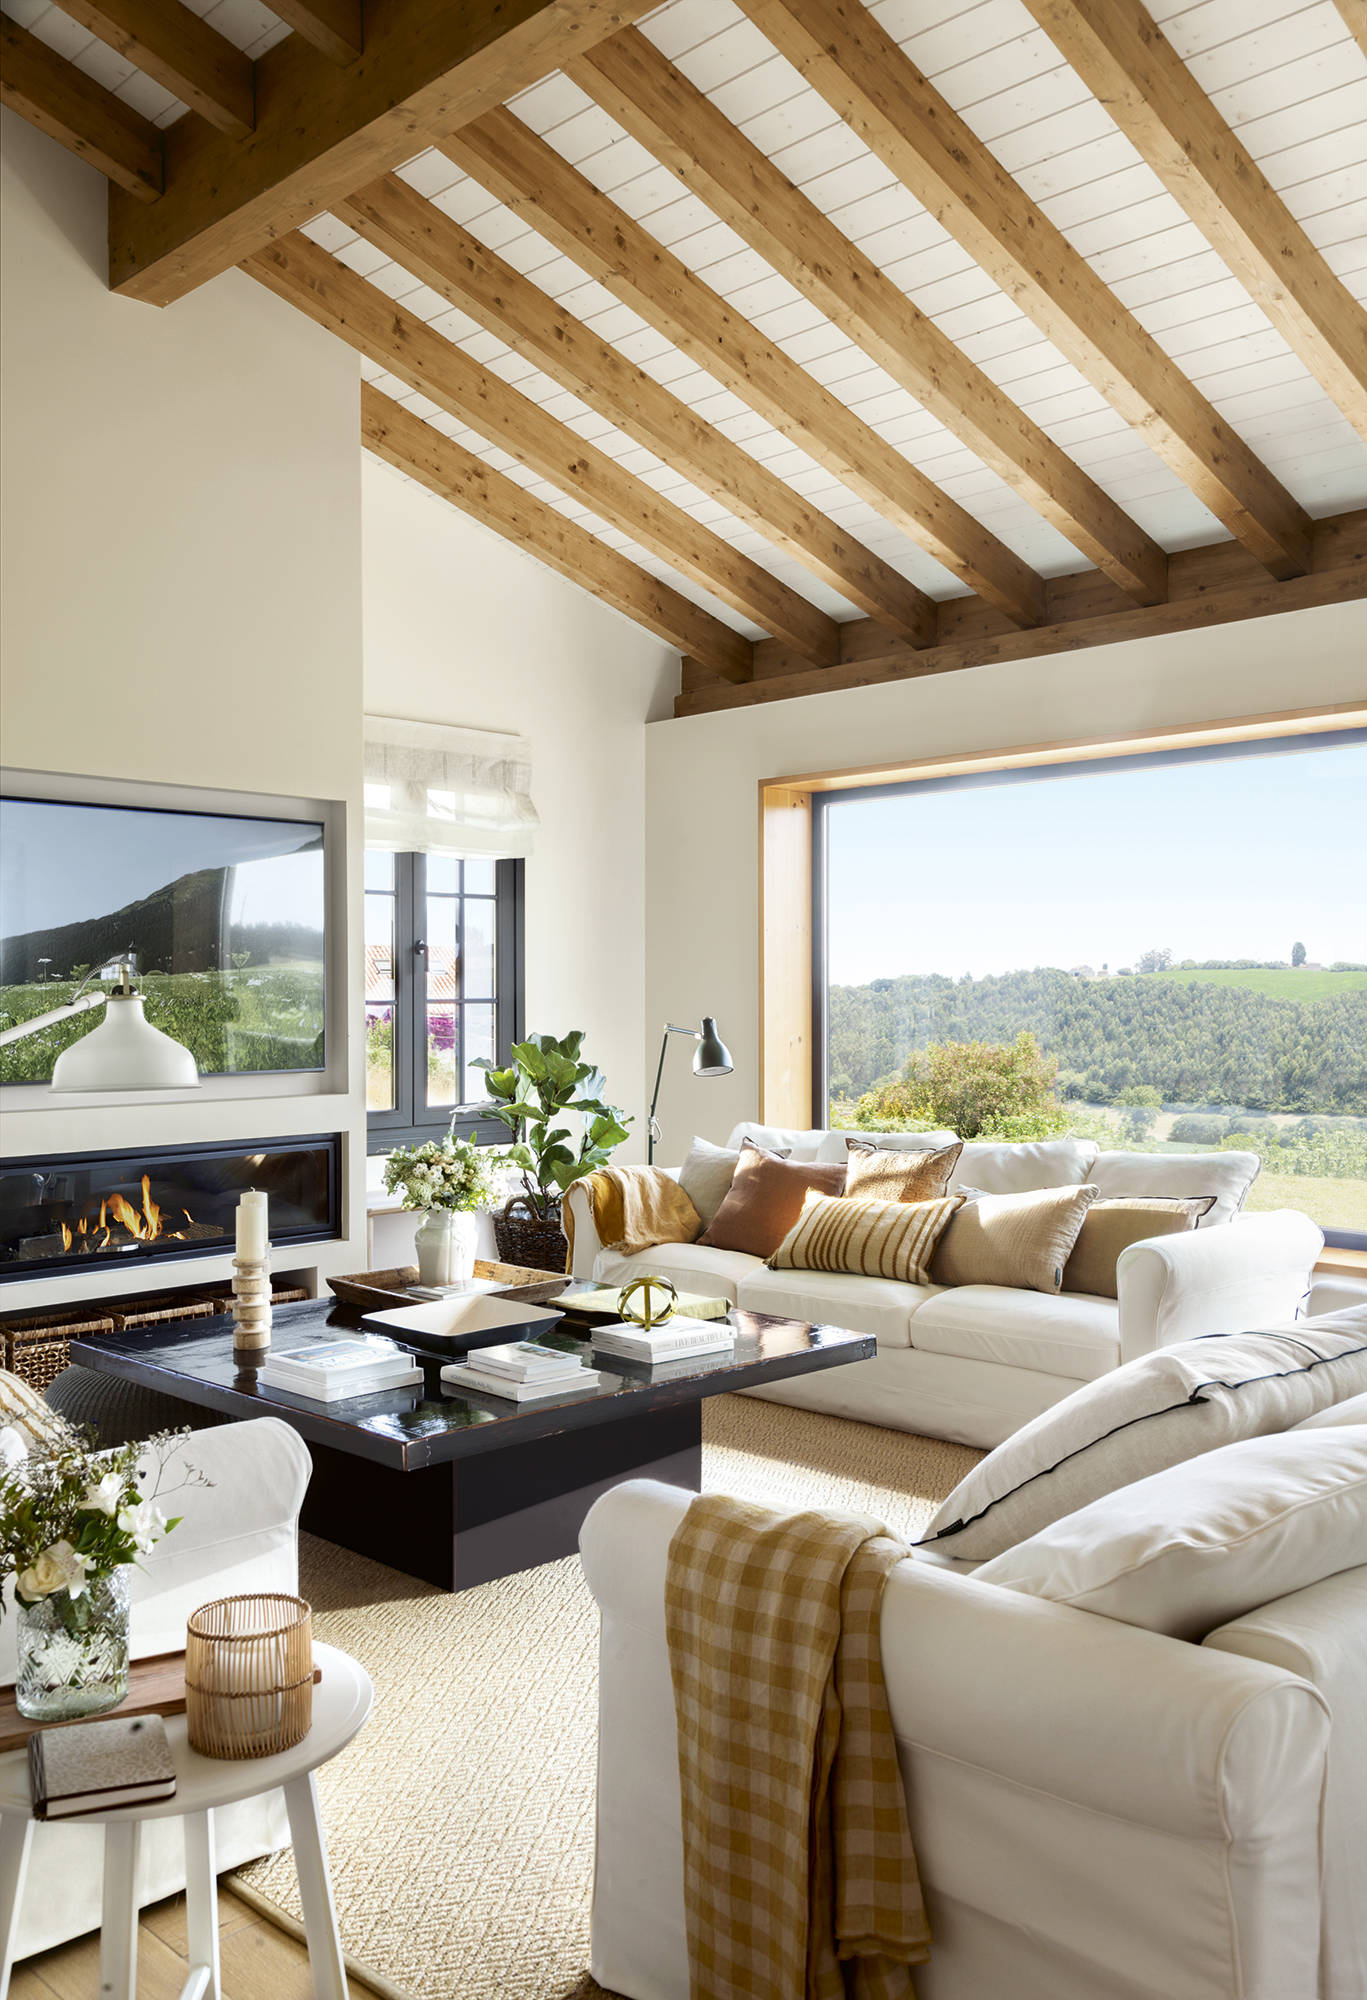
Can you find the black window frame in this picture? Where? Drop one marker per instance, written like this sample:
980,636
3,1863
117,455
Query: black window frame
1028,770
409,1121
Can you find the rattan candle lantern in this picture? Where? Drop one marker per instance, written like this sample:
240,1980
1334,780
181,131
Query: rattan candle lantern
249,1675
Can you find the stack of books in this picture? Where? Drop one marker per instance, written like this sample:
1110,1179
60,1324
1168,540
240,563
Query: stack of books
678,1338
329,1371
521,1370
87,1767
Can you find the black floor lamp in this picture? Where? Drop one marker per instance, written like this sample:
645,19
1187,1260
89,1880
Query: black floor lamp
710,1058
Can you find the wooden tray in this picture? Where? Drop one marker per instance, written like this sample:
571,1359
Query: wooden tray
156,1686
370,1289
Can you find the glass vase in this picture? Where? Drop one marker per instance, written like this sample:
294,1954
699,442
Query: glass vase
73,1651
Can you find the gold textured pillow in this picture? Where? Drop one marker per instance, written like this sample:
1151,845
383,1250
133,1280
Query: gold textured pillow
883,1173
1112,1225
876,1239
1020,1240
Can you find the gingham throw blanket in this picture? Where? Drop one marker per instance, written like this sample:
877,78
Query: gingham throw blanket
800,1880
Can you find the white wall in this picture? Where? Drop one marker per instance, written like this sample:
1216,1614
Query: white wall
181,541
703,773
461,627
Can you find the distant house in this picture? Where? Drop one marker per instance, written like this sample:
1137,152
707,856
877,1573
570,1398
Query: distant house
1083,971
1308,965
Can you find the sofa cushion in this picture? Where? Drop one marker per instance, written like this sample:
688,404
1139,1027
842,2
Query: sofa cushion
765,1200
1192,1547
875,1239
1018,1240
789,1141
1071,1335
1112,1226
707,1173
1352,1410
693,1267
1228,1176
1001,1168
896,1173
834,1144
1160,1410
883,1307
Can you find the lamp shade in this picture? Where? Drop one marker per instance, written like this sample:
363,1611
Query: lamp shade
711,1057
125,1053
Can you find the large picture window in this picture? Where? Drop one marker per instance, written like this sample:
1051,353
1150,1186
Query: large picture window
443,986
1182,938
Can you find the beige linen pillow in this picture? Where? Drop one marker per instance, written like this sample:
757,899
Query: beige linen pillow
885,1173
1020,1240
765,1201
1193,1547
876,1239
1160,1410
1111,1226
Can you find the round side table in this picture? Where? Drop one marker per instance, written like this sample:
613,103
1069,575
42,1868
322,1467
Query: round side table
341,1704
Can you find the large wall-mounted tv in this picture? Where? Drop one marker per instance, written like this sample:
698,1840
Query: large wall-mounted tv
224,913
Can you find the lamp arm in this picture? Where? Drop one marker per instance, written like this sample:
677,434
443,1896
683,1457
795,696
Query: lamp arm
54,1014
653,1127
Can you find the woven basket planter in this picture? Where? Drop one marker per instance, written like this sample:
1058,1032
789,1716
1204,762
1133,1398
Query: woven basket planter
524,1237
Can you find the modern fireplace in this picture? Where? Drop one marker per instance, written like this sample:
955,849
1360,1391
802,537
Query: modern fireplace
62,1212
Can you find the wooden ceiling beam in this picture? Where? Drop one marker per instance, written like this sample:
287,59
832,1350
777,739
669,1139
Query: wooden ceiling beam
505,157
661,109
322,130
333,27
396,435
307,277
852,61
390,215
180,52
1127,62
63,102
1220,585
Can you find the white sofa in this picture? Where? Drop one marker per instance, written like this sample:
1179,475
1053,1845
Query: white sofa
238,1533
975,1362
1100,1812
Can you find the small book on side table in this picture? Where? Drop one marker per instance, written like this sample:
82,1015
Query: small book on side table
87,1767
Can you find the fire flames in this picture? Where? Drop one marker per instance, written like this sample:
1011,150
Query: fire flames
143,1225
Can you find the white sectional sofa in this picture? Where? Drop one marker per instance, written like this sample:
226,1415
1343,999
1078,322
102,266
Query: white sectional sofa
975,1362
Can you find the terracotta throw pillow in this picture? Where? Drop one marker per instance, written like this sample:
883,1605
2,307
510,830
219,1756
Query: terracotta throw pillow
880,1173
765,1200
1019,1240
876,1239
1112,1226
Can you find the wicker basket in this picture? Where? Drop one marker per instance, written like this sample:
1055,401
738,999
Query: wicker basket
158,1309
524,1237
36,1344
249,1675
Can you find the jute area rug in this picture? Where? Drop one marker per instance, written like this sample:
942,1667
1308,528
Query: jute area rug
460,1821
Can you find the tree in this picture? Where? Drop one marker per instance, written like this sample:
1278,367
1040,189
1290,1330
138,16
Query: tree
1142,1105
998,1090
1298,954
1156,960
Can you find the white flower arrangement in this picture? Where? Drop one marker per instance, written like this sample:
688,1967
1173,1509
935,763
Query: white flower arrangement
448,1173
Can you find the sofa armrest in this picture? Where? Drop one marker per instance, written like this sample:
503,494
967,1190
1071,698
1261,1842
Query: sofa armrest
1251,1272
1058,1765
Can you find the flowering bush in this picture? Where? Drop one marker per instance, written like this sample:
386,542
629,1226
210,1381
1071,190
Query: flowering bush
447,1173
70,1513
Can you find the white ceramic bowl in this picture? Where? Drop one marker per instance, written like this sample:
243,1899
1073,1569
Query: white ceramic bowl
463,1323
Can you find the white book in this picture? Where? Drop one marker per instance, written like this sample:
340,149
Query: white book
332,1359
458,1376
347,1388
524,1360
679,1350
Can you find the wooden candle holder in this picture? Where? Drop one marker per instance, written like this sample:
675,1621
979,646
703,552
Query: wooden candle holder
251,1308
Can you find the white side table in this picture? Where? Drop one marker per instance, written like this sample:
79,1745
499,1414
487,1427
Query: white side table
341,1704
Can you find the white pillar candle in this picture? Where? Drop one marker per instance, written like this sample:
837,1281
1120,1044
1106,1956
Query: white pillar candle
251,1226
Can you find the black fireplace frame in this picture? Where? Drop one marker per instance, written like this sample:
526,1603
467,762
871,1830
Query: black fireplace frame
137,1257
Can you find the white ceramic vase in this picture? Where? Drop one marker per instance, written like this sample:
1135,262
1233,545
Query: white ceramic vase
445,1244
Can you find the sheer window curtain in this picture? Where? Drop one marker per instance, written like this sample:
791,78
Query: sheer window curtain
434,789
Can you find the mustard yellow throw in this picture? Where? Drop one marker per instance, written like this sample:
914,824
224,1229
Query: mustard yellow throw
633,1209
800,1881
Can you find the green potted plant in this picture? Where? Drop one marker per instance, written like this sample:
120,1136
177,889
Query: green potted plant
546,1079
447,1179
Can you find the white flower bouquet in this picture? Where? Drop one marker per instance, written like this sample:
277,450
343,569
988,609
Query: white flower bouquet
450,1173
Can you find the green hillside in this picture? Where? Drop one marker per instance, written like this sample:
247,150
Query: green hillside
1280,984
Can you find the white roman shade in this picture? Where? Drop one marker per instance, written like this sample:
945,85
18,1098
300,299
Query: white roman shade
431,789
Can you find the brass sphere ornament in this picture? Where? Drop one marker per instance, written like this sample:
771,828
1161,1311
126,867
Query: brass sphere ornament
648,1313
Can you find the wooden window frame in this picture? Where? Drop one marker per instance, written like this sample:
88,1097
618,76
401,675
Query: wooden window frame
410,1122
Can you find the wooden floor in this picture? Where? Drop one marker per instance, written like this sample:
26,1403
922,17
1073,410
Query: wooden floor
259,1961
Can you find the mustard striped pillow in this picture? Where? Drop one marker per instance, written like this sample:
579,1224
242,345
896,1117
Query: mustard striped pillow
876,1239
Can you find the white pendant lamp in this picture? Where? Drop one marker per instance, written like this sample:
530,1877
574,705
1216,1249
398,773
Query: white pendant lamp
124,1053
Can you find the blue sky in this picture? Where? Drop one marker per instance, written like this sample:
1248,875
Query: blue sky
1231,858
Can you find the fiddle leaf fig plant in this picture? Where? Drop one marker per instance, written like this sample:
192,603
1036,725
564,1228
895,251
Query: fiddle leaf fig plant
546,1079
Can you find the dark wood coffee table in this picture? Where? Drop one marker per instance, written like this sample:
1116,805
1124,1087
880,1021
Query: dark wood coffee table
458,1487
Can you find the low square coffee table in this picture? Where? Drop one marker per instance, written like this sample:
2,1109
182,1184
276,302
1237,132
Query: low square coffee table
457,1487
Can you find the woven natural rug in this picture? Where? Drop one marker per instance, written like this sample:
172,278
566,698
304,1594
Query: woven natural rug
460,1821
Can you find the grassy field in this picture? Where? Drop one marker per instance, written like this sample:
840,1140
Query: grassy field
1334,1204
1287,984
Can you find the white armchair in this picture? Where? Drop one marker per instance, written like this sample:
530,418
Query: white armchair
1253,1271
240,1533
